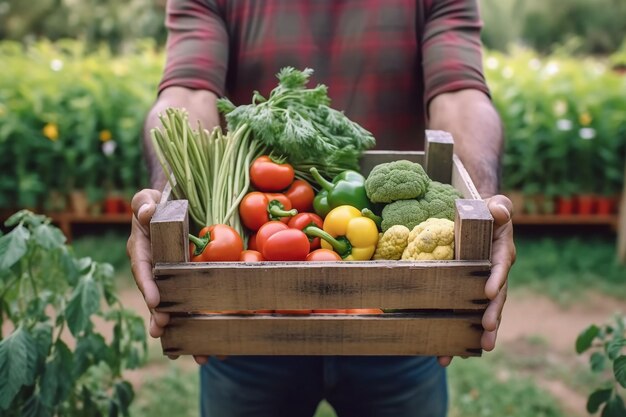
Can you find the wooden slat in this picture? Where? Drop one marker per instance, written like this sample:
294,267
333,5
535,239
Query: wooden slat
462,181
473,230
438,159
169,231
444,335
388,285
372,158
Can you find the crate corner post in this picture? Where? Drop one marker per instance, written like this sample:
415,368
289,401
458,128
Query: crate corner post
439,148
169,230
473,230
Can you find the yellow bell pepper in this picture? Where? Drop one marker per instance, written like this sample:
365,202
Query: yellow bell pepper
348,233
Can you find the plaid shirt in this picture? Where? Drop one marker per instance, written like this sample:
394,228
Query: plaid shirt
382,60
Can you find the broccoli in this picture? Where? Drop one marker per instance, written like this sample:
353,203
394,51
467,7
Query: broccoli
438,202
397,180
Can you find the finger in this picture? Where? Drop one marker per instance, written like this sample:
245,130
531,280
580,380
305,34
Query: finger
493,313
501,209
444,360
488,340
155,330
173,357
141,267
160,319
145,196
201,360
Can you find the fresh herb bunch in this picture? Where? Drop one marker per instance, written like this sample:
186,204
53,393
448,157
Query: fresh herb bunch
297,122
53,361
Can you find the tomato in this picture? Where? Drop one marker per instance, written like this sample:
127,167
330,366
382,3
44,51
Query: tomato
251,256
302,220
301,195
286,245
267,175
364,311
258,208
218,242
329,311
323,255
267,230
294,311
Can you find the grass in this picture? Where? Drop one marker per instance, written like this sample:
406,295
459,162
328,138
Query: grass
564,267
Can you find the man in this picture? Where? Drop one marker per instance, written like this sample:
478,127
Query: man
394,66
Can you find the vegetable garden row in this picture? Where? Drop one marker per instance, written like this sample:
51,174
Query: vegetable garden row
60,107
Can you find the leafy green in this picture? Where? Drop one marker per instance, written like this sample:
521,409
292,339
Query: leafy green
583,341
298,122
44,290
619,370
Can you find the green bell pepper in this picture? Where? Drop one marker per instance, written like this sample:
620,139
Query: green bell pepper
347,188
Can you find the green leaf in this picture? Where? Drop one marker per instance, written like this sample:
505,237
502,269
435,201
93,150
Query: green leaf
597,398
13,246
124,395
597,360
57,379
83,265
584,340
25,216
42,333
614,407
84,302
35,408
48,237
18,357
614,347
90,350
619,370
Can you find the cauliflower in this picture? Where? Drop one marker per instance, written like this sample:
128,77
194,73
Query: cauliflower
392,243
432,239
397,180
437,202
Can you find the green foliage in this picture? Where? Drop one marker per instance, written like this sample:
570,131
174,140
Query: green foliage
111,22
592,26
564,125
565,267
175,393
45,289
299,123
608,344
71,119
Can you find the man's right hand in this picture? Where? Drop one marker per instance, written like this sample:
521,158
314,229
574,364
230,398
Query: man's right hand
139,251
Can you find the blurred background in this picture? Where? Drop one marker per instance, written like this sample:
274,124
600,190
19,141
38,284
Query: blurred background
78,77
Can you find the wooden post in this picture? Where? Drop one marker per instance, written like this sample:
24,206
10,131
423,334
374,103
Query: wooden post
169,232
473,230
439,151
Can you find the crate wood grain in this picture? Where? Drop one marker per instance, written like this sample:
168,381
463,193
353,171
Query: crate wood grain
442,302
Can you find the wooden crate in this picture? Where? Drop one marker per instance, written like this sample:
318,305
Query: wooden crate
445,299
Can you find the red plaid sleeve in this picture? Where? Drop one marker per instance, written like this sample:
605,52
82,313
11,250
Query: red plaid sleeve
451,48
197,46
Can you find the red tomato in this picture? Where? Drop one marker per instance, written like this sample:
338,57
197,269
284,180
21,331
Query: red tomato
267,230
301,195
267,175
302,220
224,244
258,208
251,256
329,311
364,311
323,255
286,245
294,311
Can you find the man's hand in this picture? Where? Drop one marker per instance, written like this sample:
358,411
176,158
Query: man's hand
502,258
139,251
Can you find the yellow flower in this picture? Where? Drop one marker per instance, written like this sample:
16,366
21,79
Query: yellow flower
585,119
51,131
105,135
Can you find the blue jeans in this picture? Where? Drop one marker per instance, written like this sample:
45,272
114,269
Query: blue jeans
293,386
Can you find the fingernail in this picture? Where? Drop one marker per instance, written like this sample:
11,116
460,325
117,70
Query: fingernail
503,207
142,210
